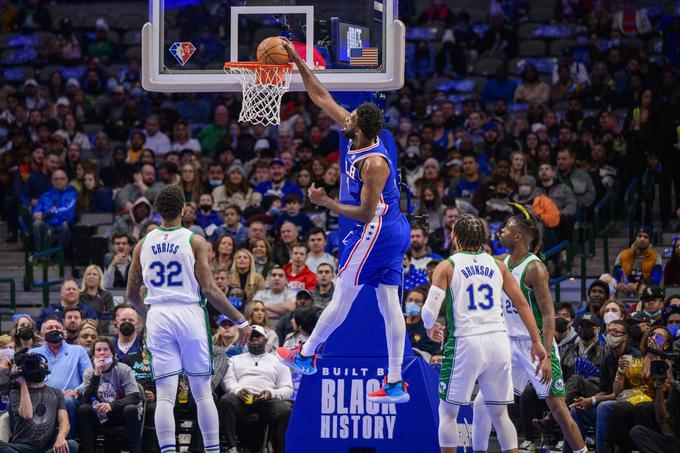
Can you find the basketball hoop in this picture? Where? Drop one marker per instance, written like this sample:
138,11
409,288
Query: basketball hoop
263,86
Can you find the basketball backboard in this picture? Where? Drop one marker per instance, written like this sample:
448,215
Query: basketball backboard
353,45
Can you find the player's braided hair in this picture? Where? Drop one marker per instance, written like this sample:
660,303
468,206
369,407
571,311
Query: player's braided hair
170,201
528,224
470,232
370,120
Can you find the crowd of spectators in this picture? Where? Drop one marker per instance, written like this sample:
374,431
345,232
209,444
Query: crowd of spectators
552,133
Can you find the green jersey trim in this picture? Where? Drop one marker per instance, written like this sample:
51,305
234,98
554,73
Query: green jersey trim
170,229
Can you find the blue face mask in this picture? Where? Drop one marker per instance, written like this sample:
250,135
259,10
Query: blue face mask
236,302
412,309
215,182
653,314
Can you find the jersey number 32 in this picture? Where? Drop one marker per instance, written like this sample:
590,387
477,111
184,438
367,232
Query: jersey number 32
166,275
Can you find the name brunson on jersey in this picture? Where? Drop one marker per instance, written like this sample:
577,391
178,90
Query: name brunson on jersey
346,414
477,270
164,247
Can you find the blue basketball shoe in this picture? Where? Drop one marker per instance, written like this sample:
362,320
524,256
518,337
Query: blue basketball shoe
293,359
396,392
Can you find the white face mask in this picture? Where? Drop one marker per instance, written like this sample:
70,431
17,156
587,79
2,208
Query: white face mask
108,361
611,316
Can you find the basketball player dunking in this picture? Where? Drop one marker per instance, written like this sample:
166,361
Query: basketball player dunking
374,249
172,263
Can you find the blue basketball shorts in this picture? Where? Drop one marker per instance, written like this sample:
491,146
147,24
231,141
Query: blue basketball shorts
374,252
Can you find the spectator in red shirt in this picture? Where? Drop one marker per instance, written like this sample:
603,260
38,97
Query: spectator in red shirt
298,274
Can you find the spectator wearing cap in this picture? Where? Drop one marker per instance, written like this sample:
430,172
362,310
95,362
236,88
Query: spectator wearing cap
499,87
316,243
32,99
576,179
652,304
530,196
638,261
303,300
410,161
598,295
226,337
593,413
101,47
639,324
587,347
576,70
256,382
214,132
277,185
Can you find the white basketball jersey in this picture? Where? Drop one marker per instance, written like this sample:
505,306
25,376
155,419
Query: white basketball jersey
516,328
474,299
168,266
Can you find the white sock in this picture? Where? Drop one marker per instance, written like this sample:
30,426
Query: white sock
395,329
332,316
166,391
583,450
448,425
208,420
481,424
505,430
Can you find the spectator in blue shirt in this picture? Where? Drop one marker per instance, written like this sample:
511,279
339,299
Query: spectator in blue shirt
233,226
291,213
470,180
128,341
70,298
278,185
206,217
40,181
54,212
499,87
67,364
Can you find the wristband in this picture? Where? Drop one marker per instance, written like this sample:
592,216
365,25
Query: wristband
243,322
593,401
620,370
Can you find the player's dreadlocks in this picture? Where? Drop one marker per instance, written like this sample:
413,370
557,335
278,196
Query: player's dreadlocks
470,232
370,120
527,223
170,201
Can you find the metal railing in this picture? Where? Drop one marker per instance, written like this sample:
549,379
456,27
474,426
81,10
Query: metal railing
630,204
5,310
557,281
43,257
604,219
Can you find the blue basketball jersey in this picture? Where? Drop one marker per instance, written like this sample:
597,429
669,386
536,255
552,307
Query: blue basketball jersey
388,206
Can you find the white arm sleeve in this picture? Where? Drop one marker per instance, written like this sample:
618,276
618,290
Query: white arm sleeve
432,305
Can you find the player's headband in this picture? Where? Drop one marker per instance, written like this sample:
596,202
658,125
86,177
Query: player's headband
521,209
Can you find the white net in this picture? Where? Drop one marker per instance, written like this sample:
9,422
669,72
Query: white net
263,86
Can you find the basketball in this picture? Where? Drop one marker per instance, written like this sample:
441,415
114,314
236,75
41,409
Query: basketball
271,51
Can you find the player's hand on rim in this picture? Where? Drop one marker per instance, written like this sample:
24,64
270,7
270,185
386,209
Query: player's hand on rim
243,335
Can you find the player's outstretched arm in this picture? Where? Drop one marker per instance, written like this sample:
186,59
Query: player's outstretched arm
374,174
511,288
135,281
317,92
211,292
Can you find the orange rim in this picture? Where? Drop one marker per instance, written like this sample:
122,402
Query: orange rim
255,65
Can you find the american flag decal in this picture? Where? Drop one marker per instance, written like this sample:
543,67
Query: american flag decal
364,56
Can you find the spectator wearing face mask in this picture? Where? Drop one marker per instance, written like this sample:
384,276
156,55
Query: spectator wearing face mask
611,311
652,304
112,386
588,347
639,326
598,295
67,364
128,340
41,422
256,382
593,413
417,334
24,332
565,335
528,195
206,217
